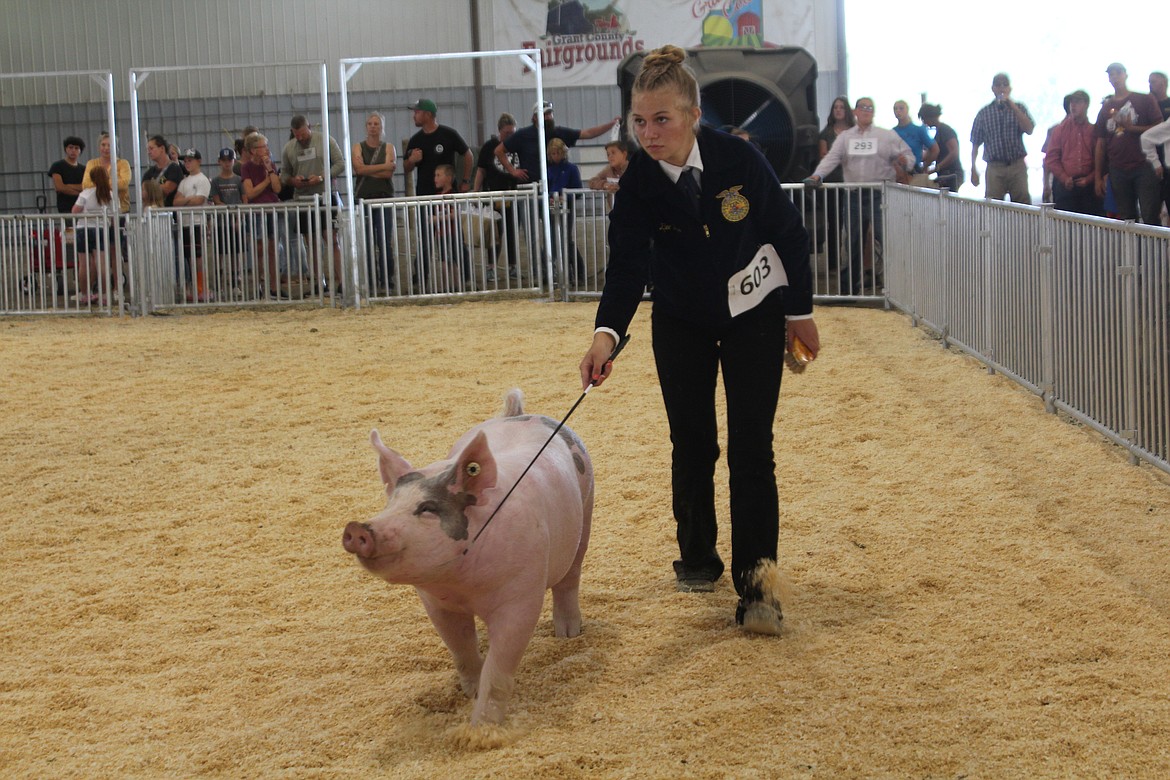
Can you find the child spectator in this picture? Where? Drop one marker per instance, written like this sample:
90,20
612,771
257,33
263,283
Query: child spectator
227,190
564,175
91,234
448,236
618,154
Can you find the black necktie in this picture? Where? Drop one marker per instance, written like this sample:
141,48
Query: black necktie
690,188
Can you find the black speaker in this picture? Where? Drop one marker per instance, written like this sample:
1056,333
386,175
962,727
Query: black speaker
771,93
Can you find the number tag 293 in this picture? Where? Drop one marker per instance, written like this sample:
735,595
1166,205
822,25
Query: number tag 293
762,275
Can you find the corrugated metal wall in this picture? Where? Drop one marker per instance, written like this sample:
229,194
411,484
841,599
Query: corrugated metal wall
118,35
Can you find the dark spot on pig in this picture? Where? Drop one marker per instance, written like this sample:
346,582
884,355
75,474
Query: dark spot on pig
436,498
579,462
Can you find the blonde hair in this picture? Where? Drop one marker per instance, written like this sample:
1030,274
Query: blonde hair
153,194
558,145
664,68
254,140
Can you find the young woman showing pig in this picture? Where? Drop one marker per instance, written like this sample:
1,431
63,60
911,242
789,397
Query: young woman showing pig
703,215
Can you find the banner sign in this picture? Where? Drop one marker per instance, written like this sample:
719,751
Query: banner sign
581,42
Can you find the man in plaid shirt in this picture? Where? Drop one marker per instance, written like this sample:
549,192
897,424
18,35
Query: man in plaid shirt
1000,127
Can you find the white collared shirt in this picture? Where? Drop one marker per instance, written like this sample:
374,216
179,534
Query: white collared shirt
694,160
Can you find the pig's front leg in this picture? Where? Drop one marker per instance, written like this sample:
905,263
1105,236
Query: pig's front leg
510,627
457,631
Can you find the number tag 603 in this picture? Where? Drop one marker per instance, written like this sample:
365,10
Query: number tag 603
762,275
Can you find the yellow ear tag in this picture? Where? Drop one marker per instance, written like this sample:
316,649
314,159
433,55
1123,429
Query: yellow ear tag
473,469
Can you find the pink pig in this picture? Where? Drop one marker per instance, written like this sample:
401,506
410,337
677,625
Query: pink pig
537,541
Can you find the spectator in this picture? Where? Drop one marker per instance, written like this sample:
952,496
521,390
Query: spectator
241,147
262,185
490,176
448,234
866,154
434,145
103,161
1046,195
1158,91
840,119
1000,127
302,165
227,187
90,235
227,190
916,137
1118,153
167,172
564,175
1070,159
193,192
67,175
525,142
1152,140
618,155
948,168
374,163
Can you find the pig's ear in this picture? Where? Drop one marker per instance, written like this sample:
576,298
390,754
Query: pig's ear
475,470
390,464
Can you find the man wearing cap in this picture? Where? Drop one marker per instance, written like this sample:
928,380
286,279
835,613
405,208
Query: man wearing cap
1123,118
434,145
525,142
193,191
1069,157
1000,126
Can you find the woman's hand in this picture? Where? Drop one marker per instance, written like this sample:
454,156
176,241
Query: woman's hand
806,331
594,368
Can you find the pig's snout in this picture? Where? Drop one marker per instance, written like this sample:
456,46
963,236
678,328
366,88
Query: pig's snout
358,538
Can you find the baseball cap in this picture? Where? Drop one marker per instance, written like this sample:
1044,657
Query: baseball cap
542,107
227,153
191,153
424,105
1115,66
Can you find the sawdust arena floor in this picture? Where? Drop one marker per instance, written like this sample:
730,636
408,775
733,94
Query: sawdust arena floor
977,588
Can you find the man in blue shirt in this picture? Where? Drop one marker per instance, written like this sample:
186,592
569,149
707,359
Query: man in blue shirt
916,137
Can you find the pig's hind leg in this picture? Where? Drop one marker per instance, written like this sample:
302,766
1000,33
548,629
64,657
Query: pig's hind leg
457,631
566,606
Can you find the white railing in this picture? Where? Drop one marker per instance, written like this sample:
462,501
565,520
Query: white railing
442,245
1073,308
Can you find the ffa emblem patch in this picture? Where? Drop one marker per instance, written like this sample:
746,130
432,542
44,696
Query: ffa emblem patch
735,206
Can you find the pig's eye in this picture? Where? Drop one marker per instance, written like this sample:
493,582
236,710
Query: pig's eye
427,507
473,469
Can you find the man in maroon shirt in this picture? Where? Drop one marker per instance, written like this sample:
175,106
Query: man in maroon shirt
1118,152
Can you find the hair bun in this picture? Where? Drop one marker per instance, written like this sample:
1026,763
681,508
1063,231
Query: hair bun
665,55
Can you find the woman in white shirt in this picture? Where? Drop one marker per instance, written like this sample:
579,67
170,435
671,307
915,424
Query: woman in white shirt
91,233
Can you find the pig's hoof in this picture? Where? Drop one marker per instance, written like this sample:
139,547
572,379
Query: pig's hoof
567,628
760,617
482,737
